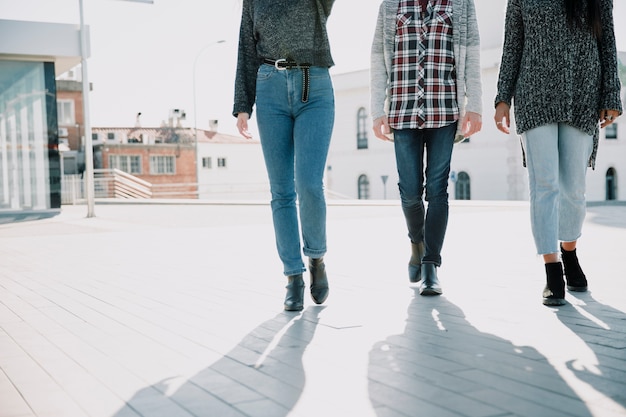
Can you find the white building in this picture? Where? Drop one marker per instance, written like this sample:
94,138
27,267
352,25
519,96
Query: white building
487,167
232,168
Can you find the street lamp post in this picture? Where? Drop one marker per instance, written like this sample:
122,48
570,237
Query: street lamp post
89,176
384,179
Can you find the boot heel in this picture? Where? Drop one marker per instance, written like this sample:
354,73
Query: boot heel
554,292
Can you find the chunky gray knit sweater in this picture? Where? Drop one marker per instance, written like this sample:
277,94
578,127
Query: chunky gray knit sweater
553,73
279,29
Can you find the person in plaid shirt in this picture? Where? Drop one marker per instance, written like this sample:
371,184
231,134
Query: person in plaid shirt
425,96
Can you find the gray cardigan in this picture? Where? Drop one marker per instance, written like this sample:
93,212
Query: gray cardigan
466,57
279,29
555,74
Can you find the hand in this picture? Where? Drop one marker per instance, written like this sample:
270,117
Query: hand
607,117
503,117
382,130
472,123
242,125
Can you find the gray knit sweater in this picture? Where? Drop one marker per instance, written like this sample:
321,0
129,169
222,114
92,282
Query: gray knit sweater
277,29
555,74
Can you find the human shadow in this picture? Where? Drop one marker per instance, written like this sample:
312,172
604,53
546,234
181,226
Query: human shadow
608,214
443,366
603,329
262,375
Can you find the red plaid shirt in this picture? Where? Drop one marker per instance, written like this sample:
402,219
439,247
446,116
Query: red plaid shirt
423,84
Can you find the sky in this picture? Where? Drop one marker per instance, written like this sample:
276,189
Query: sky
150,58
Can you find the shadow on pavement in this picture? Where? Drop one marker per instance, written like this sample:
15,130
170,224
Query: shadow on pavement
603,329
611,215
443,366
261,376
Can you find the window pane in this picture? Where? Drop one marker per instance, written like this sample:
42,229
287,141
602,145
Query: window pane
611,131
162,165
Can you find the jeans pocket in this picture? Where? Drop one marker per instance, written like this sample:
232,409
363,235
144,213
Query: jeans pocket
265,72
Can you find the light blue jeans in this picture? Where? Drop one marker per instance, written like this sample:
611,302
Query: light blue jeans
295,137
557,156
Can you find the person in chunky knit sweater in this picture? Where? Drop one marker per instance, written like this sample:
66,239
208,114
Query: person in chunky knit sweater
559,71
283,68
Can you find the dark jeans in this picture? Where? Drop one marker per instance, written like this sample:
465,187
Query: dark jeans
428,226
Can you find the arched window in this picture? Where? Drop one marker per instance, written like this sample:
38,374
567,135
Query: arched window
361,129
364,187
462,186
611,184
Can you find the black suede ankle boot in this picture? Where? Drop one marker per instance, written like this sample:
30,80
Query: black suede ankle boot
319,280
415,263
554,292
294,299
576,280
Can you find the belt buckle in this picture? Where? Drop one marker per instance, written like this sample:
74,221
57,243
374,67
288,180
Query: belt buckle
278,61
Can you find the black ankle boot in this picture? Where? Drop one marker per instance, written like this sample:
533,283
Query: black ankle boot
294,299
554,292
319,280
430,283
415,263
576,280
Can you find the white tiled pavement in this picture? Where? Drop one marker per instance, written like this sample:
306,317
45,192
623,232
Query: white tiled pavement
168,310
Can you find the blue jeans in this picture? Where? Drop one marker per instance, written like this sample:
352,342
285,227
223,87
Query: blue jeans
557,156
425,226
295,138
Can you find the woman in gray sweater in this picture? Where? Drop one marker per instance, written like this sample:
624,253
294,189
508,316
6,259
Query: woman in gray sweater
559,70
283,62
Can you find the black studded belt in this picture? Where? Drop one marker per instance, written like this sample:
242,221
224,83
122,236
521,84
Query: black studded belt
283,64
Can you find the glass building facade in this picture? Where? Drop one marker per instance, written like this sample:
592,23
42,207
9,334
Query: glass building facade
30,176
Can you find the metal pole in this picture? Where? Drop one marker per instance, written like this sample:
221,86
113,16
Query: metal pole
89,176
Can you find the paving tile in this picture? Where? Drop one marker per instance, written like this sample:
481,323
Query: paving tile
12,403
175,310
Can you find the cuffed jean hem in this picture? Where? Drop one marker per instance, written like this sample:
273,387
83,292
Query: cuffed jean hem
315,254
294,272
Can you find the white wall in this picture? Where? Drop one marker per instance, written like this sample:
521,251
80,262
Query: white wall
611,154
345,162
243,178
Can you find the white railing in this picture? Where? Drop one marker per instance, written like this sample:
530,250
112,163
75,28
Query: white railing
108,183
116,184
113,183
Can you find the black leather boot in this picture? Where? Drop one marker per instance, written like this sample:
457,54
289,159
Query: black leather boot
576,279
554,292
430,283
415,263
319,280
294,299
